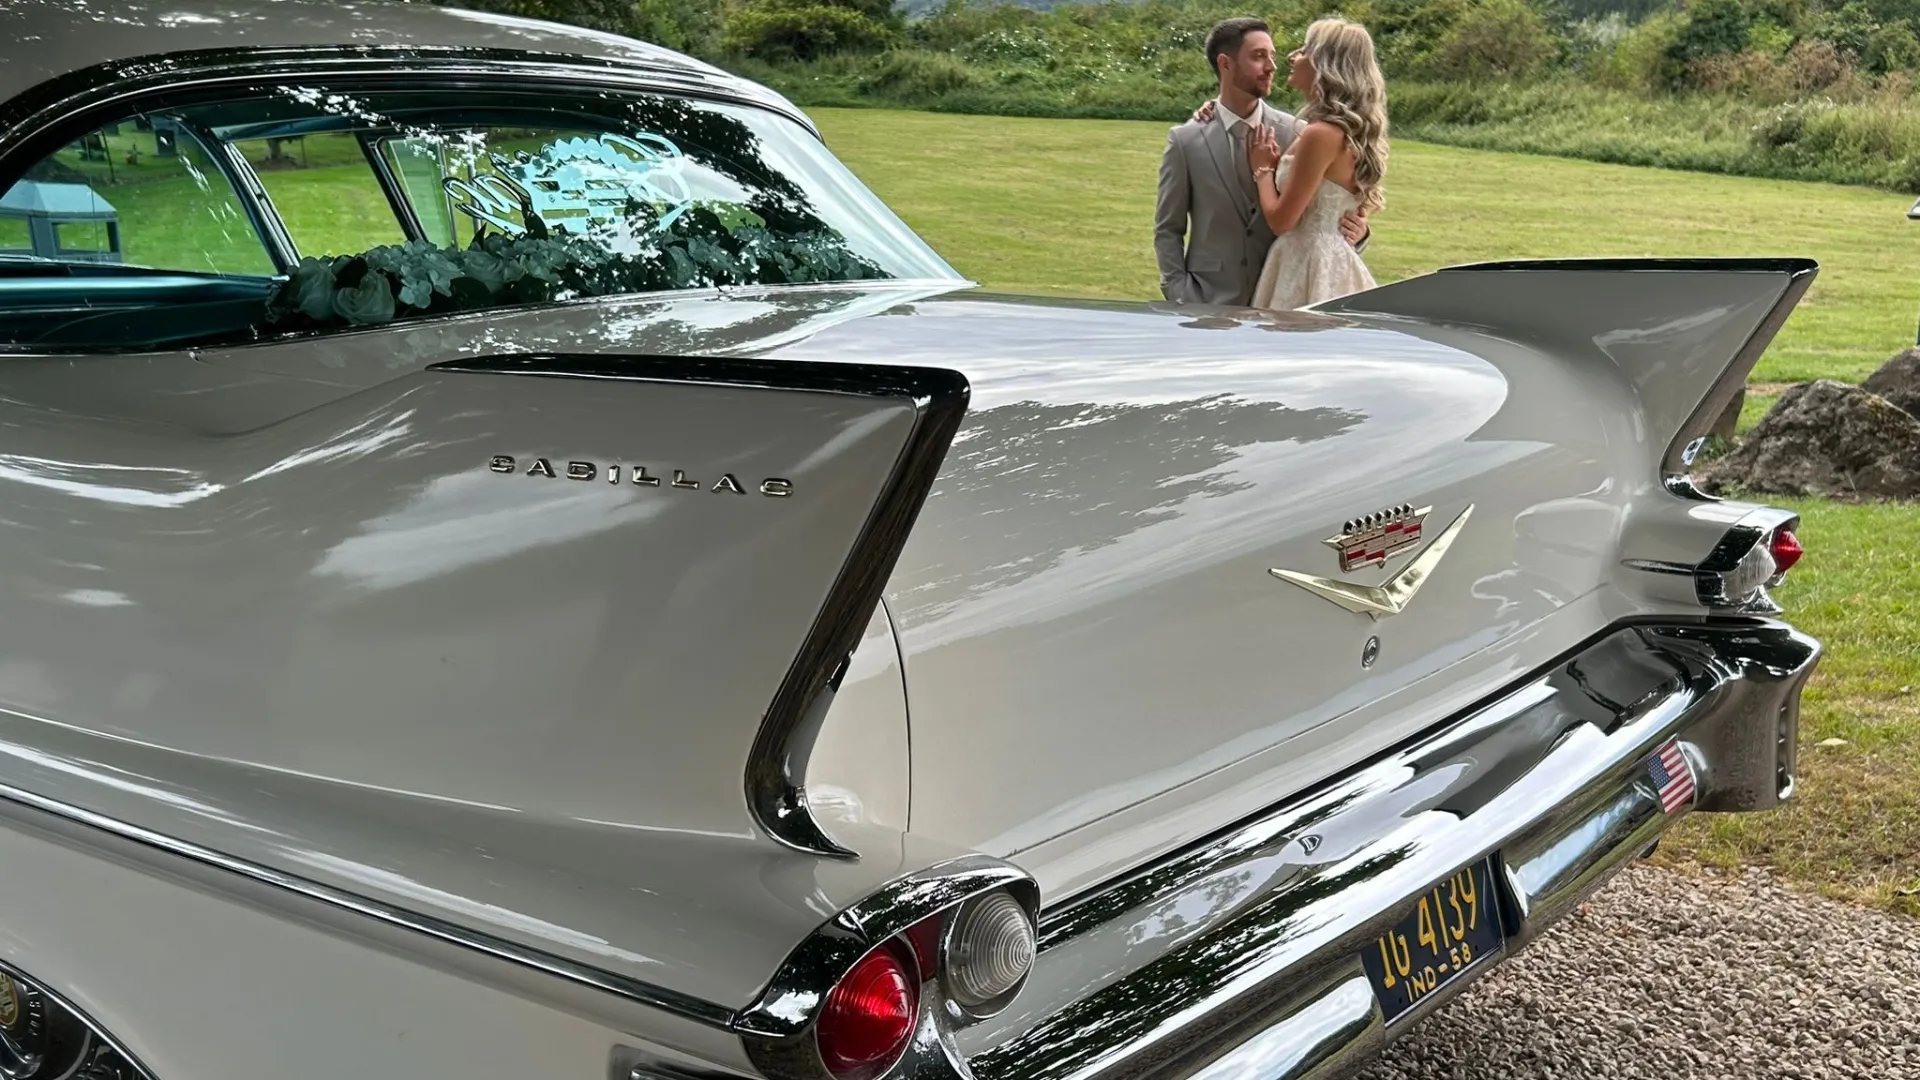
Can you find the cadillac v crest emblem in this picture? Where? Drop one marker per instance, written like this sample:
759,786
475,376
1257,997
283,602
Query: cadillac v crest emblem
1372,540
1391,596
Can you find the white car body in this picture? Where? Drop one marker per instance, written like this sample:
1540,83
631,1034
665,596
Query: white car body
581,687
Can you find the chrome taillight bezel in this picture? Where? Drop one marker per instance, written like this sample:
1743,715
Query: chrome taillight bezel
1736,574
912,914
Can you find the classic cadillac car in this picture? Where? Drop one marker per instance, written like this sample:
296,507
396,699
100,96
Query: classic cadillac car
518,564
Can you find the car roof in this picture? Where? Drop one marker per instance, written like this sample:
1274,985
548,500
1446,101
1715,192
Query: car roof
46,39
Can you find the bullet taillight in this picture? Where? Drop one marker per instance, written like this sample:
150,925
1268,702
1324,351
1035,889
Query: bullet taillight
1786,550
869,1016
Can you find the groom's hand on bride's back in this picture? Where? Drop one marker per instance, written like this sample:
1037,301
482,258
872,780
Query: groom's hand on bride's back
1353,226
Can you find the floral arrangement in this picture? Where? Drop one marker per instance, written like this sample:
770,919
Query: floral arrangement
708,244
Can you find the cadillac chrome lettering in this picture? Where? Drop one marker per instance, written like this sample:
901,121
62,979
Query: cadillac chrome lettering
1390,597
773,487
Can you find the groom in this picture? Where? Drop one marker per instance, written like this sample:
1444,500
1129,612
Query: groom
1205,179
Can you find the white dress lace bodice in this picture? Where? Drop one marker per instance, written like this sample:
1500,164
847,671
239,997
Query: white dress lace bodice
1312,262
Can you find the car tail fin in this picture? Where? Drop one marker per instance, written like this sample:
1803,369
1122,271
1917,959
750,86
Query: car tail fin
719,601
1684,332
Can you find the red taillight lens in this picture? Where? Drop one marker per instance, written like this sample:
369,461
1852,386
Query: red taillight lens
868,1017
1785,549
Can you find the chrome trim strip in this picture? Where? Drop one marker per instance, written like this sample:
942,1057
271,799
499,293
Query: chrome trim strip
1312,1036
667,1000
1655,264
776,766
403,209
1659,566
1205,956
266,218
909,289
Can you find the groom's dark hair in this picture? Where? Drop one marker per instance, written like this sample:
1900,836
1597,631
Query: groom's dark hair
1226,36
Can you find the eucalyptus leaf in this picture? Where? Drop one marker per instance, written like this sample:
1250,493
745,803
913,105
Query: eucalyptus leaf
417,292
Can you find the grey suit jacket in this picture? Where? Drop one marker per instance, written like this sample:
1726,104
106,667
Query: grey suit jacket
1209,238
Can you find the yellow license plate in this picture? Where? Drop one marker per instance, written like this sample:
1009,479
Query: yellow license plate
1450,928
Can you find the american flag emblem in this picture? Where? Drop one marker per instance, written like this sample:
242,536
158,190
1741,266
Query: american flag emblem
1671,775
1372,540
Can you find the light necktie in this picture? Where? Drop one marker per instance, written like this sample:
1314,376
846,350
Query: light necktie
1242,170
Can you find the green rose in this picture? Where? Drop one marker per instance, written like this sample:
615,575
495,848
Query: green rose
371,301
312,287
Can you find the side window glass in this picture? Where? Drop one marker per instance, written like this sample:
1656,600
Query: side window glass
325,192
140,193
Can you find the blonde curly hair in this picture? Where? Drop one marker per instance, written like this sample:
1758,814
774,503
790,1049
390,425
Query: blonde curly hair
1350,93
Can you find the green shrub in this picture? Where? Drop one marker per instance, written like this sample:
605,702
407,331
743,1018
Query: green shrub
1408,34
914,76
1643,58
1892,47
1818,66
785,30
689,26
1589,42
1753,75
1770,39
1495,39
1848,29
957,23
1712,28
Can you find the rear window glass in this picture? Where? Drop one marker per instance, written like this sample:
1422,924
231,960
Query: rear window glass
401,205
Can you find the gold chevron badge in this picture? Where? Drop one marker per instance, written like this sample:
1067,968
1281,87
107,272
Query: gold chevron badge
1390,597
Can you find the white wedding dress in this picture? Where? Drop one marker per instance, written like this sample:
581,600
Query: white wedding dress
1312,262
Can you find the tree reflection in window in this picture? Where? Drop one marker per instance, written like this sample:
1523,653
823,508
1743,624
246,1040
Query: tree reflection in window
548,215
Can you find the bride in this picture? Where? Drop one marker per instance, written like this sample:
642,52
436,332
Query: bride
1335,164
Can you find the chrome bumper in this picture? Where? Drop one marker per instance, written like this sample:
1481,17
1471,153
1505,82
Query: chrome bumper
1242,958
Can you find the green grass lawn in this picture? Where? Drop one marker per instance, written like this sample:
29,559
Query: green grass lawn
1066,207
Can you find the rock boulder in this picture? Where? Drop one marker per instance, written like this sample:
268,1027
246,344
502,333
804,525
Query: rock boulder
1826,438
1898,380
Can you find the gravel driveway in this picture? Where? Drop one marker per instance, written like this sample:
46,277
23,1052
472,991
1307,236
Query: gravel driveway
1673,978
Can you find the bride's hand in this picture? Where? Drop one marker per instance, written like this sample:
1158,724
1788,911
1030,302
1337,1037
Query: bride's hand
1263,150
1204,113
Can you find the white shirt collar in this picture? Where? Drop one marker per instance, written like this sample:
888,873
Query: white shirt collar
1227,119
